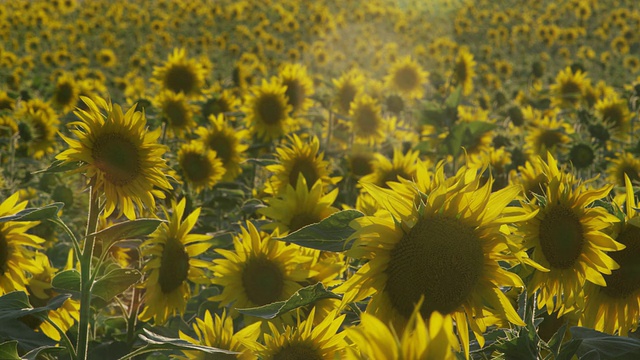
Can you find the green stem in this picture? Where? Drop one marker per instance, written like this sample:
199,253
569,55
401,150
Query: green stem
64,338
74,240
133,315
85,276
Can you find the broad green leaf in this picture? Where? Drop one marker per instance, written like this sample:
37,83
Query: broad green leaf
454,98
35,214
330,234
569,349
59,166
9,350
67,281
157,342
607,346
262,162
38,353
463,134
28,338
115,282
305,296
16,304
126,230
556,340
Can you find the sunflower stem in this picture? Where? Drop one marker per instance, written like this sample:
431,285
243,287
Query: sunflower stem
86,280
64,338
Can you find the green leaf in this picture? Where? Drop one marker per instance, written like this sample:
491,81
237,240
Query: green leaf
262,162
67,281
464,134
157,342
38,353
16,304
330,234
454,98
126,230
305,296
607,346
35,214
59,166
9,350
556,340
115,282
569,349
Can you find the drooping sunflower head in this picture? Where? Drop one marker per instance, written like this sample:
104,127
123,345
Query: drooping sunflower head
228,142
122,160
615,308
464,70
614,112
348,86
623,164
171,264
366,119
218,102
297,207
16,247
268,111
217,331
180,74
201,167
548,133
299,87
384,170
422,338
37,128
407,77
440,241
299,158
258,271
569,238
177,112
66,93
305,341
568,88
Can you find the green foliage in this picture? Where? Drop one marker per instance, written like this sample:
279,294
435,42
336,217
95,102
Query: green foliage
303,297
331,234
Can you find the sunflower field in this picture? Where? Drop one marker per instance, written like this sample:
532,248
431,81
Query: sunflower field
284,179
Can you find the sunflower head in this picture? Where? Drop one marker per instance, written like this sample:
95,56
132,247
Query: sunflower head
464,70
37,128
621,166
614,112
347,87
201,168
177,112
180,74
568,88
268,111
228,142
66,93
122,160
366,119
299,87
407,77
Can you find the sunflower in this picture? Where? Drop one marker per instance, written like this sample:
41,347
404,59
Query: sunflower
180,75
407,77
616,307
258,271
614,112
567,238
384,170
297,207
299,87
348,86
228,143
296,158
305,341
218,332
40,292
625,164
176,111
6,101
464,70
16,254
171,265
201,168
121,159
106,58
66,93
218,102
440,240
360,161
37,127
547,134
531,177
422,338
568,88
268,111
366,119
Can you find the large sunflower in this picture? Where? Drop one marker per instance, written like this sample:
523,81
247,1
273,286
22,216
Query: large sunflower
171,265
297,158
566,237
180,75
122,160
297,207
16,247
440,239
422,338
268,111
228,142
299,87
201,168
547,133
615,308
366,119
407,77
305,341
258,271
218,332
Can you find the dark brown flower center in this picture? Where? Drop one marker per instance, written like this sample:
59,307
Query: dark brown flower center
263,281
561,236
118,157
174,266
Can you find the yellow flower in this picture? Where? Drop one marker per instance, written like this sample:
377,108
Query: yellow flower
201,168
568,88
384,170
176,112
171,265
16,247
180,74
228,142
66,93
348,86
623,164
299,87
464,70
366,120
38,124
121,159
268,111
407,77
